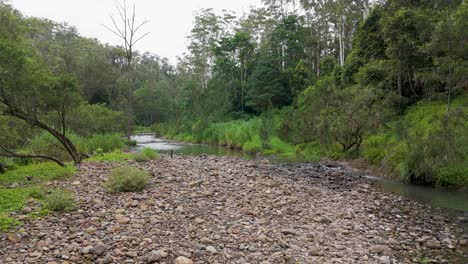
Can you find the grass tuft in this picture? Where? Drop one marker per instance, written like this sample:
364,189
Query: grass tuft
60,201
127,179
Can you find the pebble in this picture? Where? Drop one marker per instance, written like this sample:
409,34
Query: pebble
251,212
99,249
379,249
156,255
183,260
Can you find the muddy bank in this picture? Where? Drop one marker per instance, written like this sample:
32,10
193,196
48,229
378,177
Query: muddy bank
229,210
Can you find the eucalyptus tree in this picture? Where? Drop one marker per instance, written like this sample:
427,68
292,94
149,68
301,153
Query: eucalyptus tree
207,31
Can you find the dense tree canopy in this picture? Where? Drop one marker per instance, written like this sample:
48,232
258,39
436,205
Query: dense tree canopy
339,70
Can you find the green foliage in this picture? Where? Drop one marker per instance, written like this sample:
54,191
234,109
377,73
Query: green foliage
8,223
47,144
60,201
87,120
106,143
12,200
94,144
127,179
146,154
426,146
453,176
37,172
116,156
279,147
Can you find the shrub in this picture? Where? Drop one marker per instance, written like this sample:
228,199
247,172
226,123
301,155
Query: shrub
130,142
105,143
127,179
145,154
452,176
116,156
150,153
278,146
60,201
37,192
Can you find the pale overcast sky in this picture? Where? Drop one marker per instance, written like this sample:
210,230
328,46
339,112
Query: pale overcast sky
169,21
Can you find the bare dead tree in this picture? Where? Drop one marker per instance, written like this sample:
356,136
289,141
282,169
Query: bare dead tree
125,27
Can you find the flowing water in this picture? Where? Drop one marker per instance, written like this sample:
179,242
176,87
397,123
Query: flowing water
455,202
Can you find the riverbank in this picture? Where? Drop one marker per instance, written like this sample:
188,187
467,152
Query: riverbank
229,210
424,146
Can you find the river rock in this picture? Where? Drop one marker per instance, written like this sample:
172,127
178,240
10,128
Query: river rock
99,249
385,260
156,255
379,249
433,244
289,232
206,241
211,250
288,213
183,260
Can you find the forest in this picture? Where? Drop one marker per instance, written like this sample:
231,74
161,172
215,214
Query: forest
382,82
380,85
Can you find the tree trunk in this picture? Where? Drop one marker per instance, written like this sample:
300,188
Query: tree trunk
2,168
366,8
66,142
129,116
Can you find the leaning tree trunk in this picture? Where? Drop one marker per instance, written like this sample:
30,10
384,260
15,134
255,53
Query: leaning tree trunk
66,142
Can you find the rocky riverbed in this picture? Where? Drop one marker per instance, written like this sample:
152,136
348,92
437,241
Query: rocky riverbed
228,210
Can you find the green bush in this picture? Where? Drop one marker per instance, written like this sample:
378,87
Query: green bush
279,147
150,153
116,156
130,142
60,201
454,176
105,143
127,179
146,154
37,192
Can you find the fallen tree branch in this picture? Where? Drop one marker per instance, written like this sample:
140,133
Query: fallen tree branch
11,154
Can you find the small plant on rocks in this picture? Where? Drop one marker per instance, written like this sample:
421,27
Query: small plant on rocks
127,179
146,154
60,201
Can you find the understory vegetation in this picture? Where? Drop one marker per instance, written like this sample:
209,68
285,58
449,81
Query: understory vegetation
127,179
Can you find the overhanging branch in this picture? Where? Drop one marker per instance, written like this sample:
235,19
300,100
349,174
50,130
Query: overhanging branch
11,154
